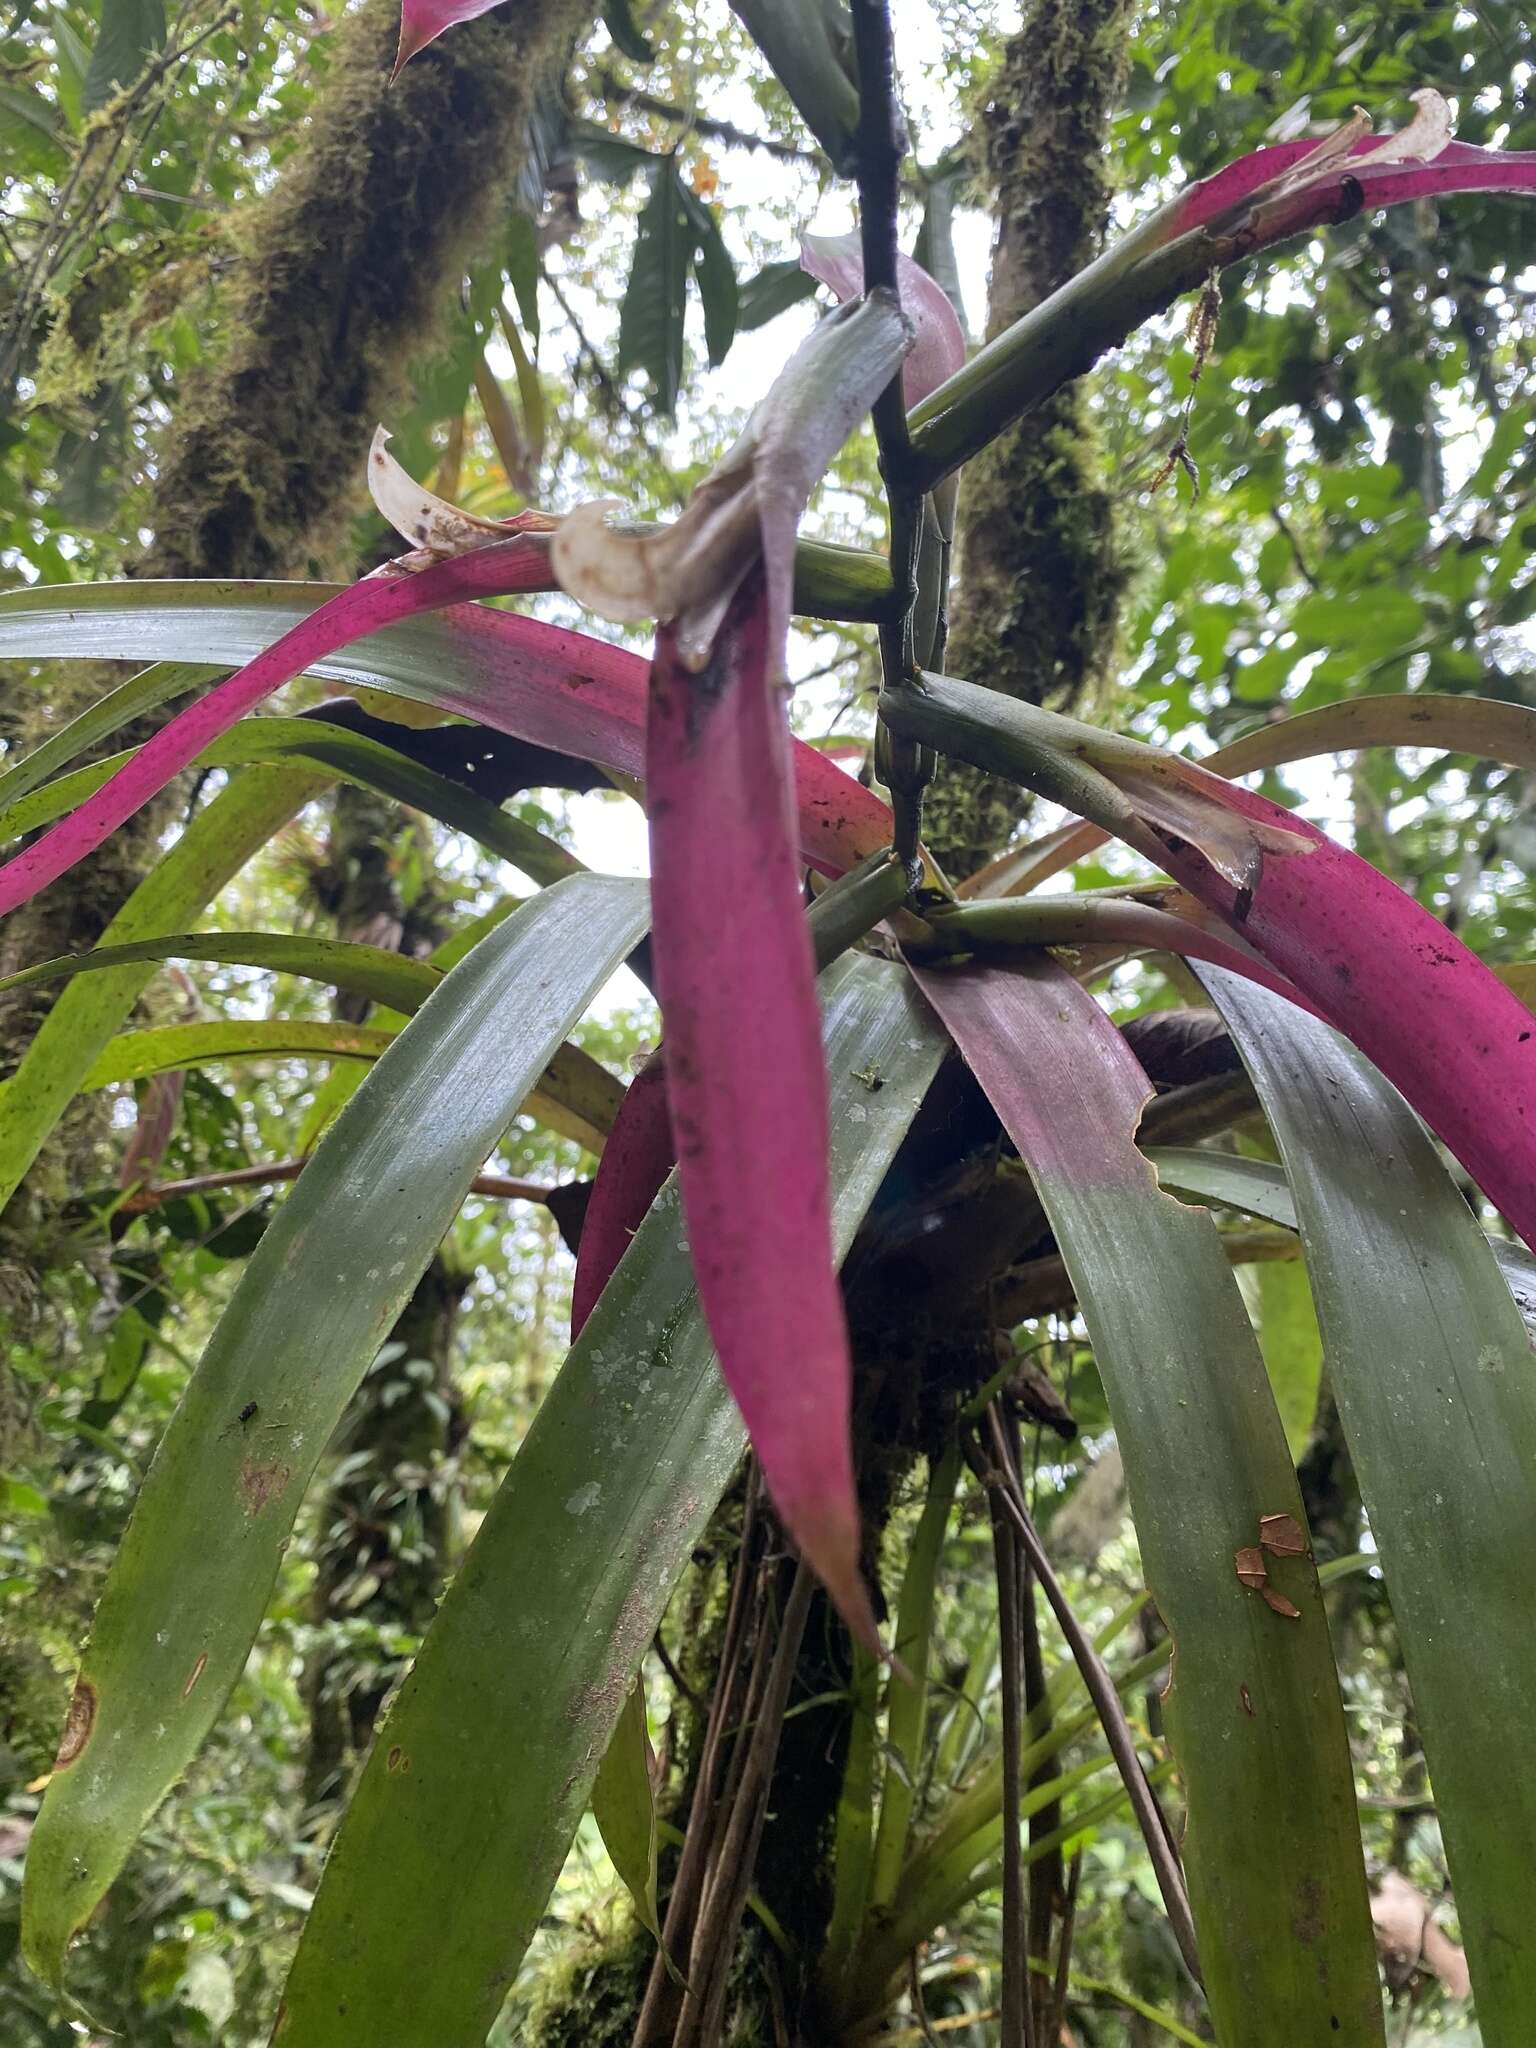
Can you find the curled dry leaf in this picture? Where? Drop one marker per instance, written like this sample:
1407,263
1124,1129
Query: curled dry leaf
435,528
1282,190
837,261
1406,1937
750,503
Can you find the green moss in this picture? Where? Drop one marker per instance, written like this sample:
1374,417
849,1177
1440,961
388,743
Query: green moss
343,275
1040,575
591,1995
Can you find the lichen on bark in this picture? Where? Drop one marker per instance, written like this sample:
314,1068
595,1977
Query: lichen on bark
1040,574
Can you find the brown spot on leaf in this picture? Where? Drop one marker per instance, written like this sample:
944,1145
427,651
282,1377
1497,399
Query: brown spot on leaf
397,1761
1247,1699
262,1483
78,1723
194,1675
1279,1603
1282,1536
1250,1566
1307,1921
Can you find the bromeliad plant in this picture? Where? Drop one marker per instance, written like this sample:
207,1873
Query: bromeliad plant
797,1051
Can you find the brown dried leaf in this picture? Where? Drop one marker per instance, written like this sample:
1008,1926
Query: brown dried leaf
1251,1568
1279,1603
1282,1536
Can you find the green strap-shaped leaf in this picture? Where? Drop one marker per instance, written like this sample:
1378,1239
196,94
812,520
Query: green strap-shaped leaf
1272,1844
1262,1190
349,757
481,1771
624,1807
372,971
1278,1292
1486,727
167,1048
1436,1387
147,690
909,1700
215,846
574,1095
186,1592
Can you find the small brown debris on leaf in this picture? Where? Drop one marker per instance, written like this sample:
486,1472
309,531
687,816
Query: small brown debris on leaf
1251,1568
194,1675
262,1483
78,1723
1279,1603
1247,1699
1282,1536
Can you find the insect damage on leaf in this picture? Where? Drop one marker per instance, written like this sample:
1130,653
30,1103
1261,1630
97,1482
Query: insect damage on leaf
1251,1568
78,1723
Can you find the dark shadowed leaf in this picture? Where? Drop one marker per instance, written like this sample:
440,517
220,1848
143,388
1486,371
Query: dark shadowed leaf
1253,1706
656,297
188,1585
483,1767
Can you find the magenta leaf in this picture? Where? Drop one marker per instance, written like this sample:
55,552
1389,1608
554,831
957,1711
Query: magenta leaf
517,563
423,21
637,1157
521,676
1380,967
746,1076
1283,190
939,350
1437,1022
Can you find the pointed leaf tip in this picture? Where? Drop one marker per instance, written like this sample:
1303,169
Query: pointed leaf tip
746,1077
423,21
1279,191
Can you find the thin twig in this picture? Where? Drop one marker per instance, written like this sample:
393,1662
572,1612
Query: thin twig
605,383
1058,2006
1106,1700
659,2009
1018,2001
142,1199
1045,1869
881,144
664,1658
731,1879
617,94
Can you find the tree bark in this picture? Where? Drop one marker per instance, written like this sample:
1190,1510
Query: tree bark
1040,575
343,276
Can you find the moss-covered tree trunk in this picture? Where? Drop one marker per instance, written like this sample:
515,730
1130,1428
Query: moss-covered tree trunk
1040,578
336,282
